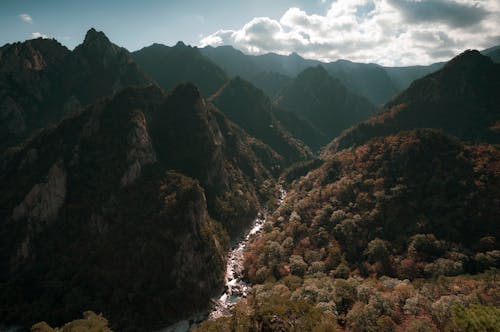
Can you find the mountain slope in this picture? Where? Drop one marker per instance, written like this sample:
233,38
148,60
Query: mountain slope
31,84
271,83
404,76
301,128
462,99
391,189
494,55
114,208
93,208
322,100
170,66
248,107
376,237
41,81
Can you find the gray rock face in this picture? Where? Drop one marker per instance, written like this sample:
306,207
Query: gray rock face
140,151
44,200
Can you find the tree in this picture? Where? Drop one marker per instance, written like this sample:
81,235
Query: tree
477,317
362,318
297,265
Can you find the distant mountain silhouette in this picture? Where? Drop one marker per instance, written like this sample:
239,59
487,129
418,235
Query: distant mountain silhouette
41,81
324,101
270,82
402,77
462,99
493,53
368,80
377,83
170,66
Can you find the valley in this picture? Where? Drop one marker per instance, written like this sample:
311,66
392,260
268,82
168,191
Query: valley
183,188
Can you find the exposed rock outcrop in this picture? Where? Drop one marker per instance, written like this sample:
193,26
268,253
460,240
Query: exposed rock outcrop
45,199
140,151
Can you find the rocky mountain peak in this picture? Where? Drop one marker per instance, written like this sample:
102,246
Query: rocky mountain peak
35,54
186,95
180,44
96,38
470,58
96,47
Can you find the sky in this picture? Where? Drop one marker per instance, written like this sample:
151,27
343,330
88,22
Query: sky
387,32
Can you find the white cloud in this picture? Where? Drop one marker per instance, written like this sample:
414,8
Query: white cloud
387,32
38,35
26,18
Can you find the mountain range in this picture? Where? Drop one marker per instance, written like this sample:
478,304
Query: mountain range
460,99
129,176
272,72
42,81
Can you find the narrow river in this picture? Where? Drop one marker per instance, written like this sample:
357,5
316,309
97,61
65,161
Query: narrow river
236,287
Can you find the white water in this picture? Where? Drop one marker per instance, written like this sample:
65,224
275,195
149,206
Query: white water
236,287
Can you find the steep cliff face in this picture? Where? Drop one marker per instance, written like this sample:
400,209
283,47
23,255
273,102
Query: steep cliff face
140,150
90,207
188,137
123,194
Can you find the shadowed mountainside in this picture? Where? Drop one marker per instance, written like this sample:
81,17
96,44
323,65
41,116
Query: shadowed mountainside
322,100
114,207
252,110
170,66
461,99
41,81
